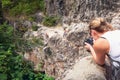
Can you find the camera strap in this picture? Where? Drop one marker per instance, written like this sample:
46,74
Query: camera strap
103,37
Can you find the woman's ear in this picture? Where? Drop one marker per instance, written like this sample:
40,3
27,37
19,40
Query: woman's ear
93,32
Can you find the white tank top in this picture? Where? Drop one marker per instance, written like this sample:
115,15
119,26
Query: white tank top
113,38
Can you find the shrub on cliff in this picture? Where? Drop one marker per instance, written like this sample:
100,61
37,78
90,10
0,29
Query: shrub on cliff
22,7
50,20
12,65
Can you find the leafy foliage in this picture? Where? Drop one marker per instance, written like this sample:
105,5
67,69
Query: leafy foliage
23,45
50,20
34,28
25,8
12,65
20,7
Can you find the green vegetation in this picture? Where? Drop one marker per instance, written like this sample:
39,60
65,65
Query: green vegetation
12,65
22,7
50,20
1,13
28,45
26,8
35,28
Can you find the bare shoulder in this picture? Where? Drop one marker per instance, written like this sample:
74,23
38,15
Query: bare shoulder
101,44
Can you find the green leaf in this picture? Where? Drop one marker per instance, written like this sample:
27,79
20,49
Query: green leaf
3,77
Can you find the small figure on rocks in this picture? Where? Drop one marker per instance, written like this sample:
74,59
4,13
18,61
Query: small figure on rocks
106,43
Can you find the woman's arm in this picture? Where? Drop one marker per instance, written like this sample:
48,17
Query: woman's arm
99,50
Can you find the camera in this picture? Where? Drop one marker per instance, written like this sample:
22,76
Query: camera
89,40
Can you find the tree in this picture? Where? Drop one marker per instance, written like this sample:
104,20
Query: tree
1,13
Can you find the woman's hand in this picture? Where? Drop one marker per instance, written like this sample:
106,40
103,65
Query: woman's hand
88,46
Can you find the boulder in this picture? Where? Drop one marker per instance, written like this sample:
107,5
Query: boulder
85,69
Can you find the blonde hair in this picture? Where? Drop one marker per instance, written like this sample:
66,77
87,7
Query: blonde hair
100,25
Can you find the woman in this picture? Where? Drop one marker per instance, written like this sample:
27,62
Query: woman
106,43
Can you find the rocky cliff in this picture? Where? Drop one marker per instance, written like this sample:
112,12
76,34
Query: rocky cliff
63,49
82,10
62,55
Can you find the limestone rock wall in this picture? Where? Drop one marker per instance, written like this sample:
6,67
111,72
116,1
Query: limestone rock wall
82,10
61,48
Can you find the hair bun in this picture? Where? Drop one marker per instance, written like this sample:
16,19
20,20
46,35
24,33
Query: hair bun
97,22
102,20
100,24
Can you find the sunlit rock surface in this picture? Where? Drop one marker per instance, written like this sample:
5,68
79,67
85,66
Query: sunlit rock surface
62,51
86,69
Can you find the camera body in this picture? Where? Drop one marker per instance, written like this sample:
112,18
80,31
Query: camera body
89,40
